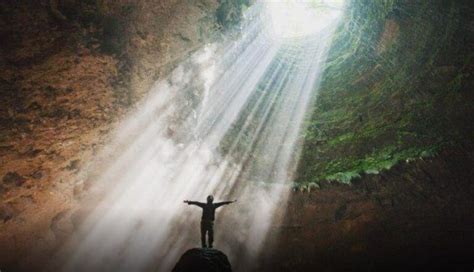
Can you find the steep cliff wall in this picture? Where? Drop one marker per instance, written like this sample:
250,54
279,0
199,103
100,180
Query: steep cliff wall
415,216
397,87
385,179
69,71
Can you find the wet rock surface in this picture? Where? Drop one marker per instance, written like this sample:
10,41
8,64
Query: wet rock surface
203,260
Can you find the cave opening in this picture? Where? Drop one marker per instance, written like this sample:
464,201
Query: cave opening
293,19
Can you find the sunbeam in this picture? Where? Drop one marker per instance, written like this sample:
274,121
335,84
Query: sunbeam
227,121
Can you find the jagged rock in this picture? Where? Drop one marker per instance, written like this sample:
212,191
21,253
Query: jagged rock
38,174
203,260
7,212
73,165
32,152
57,225
13,178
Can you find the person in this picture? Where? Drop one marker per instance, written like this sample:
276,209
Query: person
208,215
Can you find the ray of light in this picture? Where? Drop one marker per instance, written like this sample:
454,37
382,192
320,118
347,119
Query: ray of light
227,121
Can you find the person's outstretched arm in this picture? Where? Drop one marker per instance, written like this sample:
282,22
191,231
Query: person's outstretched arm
218,204
200,204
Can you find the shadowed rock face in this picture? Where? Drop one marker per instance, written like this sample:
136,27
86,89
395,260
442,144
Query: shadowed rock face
403,144
205,260
415,216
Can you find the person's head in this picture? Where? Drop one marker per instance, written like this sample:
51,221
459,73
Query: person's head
210,198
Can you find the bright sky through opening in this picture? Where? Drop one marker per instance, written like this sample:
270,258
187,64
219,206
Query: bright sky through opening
299,18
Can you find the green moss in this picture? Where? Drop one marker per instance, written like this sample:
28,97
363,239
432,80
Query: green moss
376,109
343,177
345,169
341,139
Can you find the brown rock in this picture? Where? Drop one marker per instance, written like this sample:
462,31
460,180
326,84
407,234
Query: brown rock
38,174
13,178
73,165
7,212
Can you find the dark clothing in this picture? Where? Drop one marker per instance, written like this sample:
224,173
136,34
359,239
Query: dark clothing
207,226
207,219
209,209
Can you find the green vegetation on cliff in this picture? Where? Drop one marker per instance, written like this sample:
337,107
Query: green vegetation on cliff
396,87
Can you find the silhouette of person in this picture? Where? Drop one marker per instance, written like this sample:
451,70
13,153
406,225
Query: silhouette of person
208,215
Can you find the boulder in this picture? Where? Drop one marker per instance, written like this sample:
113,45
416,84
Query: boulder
203,260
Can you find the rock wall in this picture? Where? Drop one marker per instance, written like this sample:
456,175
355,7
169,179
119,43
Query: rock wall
416,216
385,178
396,87
69,71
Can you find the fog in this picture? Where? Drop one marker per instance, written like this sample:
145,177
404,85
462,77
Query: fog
228,121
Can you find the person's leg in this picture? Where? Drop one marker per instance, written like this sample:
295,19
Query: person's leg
210,234
203,235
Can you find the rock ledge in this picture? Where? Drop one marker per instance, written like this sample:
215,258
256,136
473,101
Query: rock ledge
203,260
